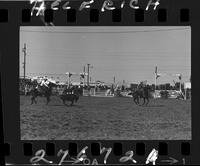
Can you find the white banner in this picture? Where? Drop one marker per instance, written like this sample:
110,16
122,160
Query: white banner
187,85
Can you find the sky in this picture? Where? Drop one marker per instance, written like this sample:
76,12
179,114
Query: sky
127,53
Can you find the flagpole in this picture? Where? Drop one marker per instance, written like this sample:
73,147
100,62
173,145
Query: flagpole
180,82
155,81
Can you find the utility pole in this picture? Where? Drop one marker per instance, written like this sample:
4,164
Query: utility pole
69,79
88,76
155,75
180,82
83,76
24,64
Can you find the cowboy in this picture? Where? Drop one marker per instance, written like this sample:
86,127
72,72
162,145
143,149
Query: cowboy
140,85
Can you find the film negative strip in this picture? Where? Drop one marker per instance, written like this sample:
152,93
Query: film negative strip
99,82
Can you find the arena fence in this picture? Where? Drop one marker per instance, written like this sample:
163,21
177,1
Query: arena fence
173,94
97,93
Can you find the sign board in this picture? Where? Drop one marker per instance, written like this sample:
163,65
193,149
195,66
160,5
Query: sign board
187,85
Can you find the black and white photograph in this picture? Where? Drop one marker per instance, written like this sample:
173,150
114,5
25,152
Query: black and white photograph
105,83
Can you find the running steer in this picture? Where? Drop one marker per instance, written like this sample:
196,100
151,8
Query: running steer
69,97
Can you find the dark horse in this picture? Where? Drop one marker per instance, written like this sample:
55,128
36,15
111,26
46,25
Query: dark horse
41,91
143,93
70,95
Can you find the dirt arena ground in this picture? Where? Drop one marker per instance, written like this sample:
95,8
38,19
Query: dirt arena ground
101,118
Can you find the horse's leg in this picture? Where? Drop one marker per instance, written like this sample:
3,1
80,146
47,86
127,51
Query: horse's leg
138,100
32,100
64,102
72,102
134,99
147,101
144,100
48,99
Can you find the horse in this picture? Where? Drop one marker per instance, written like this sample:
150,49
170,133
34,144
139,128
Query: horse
143,93
34,93
41,91
136,95
70,95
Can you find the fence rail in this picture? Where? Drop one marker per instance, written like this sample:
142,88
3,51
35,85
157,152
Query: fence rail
99,93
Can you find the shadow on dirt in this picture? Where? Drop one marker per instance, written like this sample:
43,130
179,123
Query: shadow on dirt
154,105
66,105
57,105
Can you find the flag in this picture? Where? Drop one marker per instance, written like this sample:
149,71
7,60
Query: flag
179,76
82,75
156,73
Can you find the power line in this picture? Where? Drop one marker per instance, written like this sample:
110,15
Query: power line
155,30
110,52
117,55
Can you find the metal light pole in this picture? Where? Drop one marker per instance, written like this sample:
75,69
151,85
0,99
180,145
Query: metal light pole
156,70
83,76
88,76
69,80
180,82
24,64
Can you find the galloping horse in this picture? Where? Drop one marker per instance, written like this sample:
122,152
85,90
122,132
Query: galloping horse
42,91
142,92
70,94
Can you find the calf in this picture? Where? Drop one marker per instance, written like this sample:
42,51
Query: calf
69,97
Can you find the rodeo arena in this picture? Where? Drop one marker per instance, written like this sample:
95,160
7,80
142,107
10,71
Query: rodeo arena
180,90
55,110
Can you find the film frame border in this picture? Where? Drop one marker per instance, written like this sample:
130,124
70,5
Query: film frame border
150,19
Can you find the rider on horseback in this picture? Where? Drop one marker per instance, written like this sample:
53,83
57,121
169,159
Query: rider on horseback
70,93
142,84
45,82
141,92
34,93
